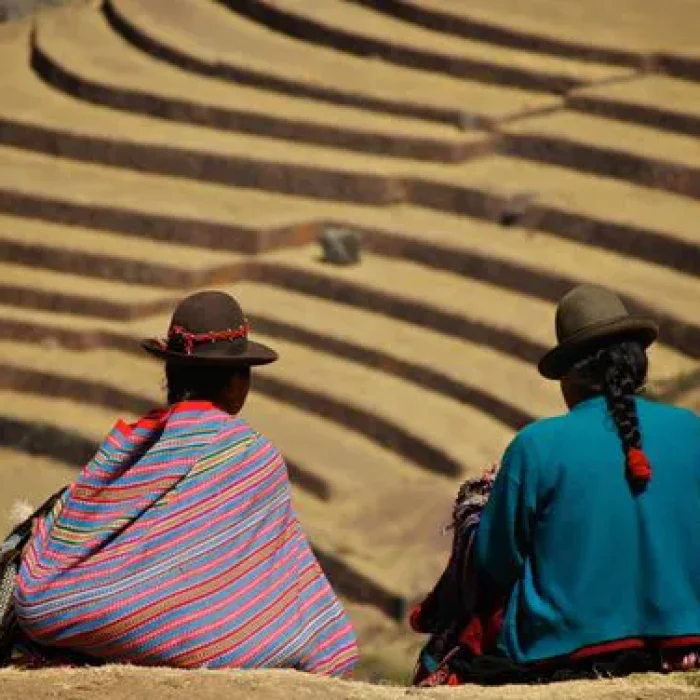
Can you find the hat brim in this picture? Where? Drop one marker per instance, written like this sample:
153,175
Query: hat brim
558,361
255,354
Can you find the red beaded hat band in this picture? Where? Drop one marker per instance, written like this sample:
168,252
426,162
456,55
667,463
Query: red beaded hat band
209,328
191,340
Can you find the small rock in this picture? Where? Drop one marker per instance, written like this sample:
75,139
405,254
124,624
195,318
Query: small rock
466,121
340,246
515,207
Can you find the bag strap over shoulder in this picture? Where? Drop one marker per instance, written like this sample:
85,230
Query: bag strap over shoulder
21,533
10,556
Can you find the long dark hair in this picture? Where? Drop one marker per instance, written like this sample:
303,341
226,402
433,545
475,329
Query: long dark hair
618,372
187,383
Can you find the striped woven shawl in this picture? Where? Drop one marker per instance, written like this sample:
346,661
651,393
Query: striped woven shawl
178,545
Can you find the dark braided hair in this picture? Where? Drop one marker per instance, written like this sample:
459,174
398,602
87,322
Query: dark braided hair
187,383
618,372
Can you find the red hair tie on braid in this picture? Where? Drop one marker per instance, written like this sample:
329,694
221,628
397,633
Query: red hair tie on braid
638,466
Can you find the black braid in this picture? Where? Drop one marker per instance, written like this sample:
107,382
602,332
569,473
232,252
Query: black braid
618,372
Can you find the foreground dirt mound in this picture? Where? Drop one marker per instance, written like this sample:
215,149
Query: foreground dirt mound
117,683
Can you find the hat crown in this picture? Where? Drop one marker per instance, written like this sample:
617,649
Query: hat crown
206,312
209,328
587,317
587,306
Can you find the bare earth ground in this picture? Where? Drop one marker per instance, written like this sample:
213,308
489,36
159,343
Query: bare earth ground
12,9
635,24
681,391
123,683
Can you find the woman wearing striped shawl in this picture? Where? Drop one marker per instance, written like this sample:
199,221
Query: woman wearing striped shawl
178,545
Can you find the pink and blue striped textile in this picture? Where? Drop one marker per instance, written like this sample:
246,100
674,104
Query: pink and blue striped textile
178,546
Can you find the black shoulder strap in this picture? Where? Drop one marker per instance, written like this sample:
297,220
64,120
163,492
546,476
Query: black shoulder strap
20,534
10,558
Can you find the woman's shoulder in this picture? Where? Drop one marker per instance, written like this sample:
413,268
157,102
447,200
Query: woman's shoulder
542,429
669,414
540,439
236,432
235,441
534,443
234,429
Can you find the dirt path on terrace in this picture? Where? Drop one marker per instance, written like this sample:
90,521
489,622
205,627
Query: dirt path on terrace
12,9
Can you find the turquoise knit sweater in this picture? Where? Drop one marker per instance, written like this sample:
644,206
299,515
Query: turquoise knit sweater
589,562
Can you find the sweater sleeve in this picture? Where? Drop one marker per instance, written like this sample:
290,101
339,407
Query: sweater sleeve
506,528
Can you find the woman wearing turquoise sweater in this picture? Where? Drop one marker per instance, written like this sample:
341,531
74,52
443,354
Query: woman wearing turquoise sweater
592,524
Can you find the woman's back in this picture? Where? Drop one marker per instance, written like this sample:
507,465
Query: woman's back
178,545
591,559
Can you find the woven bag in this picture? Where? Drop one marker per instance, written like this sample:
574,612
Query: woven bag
10,559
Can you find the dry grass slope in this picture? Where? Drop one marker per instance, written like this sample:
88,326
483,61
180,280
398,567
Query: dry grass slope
13,9
121,683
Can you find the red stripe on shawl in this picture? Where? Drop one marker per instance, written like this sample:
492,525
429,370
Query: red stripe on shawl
144,595
158,415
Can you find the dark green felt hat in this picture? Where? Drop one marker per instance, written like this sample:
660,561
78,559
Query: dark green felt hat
586,317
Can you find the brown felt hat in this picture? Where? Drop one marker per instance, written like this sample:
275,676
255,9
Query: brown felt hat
209,328
586,317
